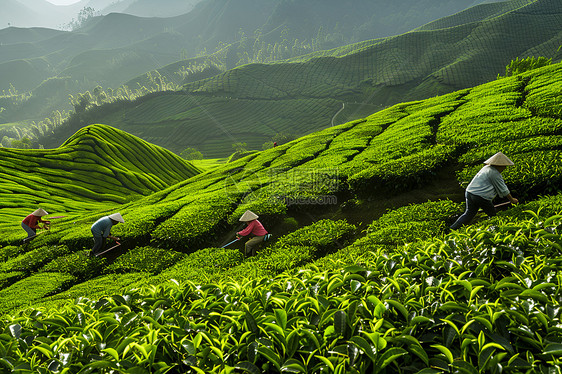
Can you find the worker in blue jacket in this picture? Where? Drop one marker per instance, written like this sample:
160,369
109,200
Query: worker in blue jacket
101,230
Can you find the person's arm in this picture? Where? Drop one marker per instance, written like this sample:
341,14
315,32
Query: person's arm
512,199
34,223
247,230
499,185
107,231
501,188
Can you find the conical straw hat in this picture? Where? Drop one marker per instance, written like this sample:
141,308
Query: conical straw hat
117,217
499,159
248,216
40,213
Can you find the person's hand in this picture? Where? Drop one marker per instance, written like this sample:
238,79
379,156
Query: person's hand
515,201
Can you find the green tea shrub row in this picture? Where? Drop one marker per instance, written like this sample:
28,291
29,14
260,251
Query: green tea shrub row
7,278
404,173
523,145
324,235
543,92
31,289
201,265
34,259
194,223
428,211
79,265
145,259
93,288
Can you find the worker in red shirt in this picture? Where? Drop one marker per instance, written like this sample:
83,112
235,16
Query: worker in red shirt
31,223
254,228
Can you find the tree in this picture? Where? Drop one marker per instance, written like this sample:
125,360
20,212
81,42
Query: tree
240,147
24,143
83,16
191,154
518,66
282,138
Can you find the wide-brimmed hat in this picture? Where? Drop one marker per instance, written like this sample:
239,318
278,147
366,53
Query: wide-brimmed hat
117,217
499,159
40,212
248,216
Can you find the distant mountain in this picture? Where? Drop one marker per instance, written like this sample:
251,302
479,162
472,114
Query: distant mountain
254,102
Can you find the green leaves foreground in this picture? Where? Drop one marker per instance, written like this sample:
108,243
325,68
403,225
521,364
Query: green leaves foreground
483,300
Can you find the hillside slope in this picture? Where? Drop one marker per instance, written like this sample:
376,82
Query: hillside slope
392,284
97,167
316,91
329,275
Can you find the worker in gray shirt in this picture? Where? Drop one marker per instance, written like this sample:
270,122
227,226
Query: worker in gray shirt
484,187
101,230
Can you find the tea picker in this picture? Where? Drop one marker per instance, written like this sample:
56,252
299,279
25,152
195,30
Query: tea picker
484,187
101,230
255,229
33,222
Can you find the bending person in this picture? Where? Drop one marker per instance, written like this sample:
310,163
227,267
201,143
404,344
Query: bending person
484,187
101,230
31,223
254,228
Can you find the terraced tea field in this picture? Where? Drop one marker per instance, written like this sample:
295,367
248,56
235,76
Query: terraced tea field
98,167
395,294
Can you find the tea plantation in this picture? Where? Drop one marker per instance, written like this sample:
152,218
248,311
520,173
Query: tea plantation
256,101
398,292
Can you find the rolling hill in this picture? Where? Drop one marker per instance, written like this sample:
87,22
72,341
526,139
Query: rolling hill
97,167
254,102
345,274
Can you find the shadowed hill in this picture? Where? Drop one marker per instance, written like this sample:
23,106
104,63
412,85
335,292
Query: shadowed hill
481,13
254,102
111,50
99,164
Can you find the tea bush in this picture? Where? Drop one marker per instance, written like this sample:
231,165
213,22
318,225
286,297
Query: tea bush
192,225
145,260
94,288
324,235
404,173
9,251
428,211
80,265
8,278
200,266
31,289
407,232
34,259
